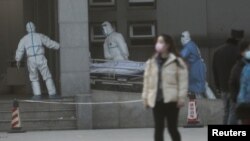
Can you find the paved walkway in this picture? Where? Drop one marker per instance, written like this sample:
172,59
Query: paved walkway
193,134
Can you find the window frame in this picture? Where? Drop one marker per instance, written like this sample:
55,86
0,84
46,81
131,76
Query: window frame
153,30
142,6
102,4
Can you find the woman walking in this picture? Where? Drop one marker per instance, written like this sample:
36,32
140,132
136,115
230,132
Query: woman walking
165,87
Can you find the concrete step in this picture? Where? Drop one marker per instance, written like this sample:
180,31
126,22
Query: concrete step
46,114
41,124
40,116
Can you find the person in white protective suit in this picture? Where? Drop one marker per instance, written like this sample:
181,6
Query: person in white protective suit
115,47
33,45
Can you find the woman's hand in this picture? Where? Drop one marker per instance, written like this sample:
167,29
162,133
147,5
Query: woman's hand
180,103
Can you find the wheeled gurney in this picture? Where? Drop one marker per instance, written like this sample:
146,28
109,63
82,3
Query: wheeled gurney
116,72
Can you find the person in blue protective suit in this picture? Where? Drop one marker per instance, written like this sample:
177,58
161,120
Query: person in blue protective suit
243,98
234,82
32,45
196,65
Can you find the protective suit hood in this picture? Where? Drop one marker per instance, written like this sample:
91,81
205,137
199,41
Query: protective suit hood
107,28
185,37
30,27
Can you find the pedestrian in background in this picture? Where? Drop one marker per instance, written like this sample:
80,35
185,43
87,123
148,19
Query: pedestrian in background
234,81
243,98
224,59
165,87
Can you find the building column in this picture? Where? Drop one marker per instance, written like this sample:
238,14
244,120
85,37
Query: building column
74,52
74,56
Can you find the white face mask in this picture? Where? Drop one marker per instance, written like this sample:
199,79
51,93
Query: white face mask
247,55
159,47
105,31
183,41
185,38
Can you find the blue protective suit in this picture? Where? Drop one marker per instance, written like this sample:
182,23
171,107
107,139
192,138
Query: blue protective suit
197,68
244,94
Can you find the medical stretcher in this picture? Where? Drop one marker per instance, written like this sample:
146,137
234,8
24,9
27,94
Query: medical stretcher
123,73
109,72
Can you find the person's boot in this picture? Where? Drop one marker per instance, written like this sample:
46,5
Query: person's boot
36,90
55,96
52,89
36,97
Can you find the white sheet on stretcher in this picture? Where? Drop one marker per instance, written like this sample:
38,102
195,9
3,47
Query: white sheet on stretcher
118,67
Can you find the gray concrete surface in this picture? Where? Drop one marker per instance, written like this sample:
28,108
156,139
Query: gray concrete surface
134,115
74,52
36,117
188,134
84,112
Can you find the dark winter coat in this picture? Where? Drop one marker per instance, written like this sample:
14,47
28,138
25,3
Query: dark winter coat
223,61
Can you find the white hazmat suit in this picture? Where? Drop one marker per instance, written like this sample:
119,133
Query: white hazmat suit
115,47
33,45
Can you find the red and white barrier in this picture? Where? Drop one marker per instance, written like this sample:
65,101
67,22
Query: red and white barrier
193,115
16,120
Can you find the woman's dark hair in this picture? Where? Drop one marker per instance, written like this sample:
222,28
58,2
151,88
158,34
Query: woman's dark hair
169,40
243,45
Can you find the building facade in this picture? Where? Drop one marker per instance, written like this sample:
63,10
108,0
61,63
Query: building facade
76,25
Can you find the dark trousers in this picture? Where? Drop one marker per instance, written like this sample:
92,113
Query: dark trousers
230,117
226,106
169,112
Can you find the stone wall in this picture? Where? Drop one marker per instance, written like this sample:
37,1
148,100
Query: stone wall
133,115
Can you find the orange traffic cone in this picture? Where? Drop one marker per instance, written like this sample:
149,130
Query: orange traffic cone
16,120
193,120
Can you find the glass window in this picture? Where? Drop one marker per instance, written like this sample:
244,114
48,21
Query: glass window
142,30
142,33
101,3
146,3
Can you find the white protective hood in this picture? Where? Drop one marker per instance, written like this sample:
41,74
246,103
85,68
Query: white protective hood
30,27
107,28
